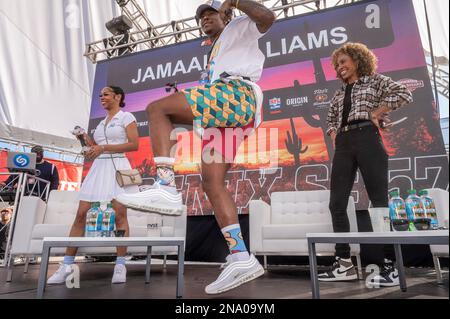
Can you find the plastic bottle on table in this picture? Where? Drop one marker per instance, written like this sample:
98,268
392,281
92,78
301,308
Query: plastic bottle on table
429,208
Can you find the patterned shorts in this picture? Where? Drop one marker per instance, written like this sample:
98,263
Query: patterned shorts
222,104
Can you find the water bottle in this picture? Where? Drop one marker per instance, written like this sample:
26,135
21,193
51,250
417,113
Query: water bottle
414,208
397,209
109,220
91,220
98,221
429,208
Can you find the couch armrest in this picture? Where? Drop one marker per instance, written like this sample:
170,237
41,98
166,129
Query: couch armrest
31,212
259,216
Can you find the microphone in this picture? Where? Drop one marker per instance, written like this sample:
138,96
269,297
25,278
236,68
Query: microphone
79,133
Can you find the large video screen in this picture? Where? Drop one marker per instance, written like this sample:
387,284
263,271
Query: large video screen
298,83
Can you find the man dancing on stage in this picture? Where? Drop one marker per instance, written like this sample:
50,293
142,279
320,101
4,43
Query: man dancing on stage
230,99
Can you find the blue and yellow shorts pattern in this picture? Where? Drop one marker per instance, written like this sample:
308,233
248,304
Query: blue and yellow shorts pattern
221,104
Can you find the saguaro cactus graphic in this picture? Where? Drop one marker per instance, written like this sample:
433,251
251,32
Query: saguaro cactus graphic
294,144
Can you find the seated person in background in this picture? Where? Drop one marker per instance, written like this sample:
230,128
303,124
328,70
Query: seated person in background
5,216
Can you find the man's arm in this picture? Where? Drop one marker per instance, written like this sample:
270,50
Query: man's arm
9,180
262,16
54,183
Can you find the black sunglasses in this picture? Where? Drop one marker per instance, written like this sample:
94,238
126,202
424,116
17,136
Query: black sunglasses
400,224
416,224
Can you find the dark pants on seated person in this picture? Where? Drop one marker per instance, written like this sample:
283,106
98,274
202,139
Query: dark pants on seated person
359,148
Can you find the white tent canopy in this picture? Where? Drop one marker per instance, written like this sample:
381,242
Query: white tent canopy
46,83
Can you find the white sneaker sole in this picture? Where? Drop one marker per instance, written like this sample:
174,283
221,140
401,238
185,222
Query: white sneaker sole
377,285
239,282
162,210
56,283
346,278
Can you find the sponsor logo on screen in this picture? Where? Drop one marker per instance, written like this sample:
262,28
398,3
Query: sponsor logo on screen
21,160
297,101
321,97
412,84
275,103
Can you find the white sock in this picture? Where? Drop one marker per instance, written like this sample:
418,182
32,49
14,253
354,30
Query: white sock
243,256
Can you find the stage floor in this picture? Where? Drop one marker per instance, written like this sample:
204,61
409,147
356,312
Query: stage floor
279,282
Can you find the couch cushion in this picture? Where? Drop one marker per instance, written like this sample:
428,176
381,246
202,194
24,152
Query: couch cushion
301,207
62,207
294,231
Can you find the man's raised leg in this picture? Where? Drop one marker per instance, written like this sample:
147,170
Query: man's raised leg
163,197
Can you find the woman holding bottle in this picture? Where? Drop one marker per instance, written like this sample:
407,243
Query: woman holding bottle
114,136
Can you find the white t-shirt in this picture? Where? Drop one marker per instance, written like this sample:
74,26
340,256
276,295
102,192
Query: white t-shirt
116,129
237,52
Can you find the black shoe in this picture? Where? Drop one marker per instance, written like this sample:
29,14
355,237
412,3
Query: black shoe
388,277
340,271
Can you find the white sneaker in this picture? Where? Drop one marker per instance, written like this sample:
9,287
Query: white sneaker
158,199
120,274
228,261
388,277
236,274
60,276
340,271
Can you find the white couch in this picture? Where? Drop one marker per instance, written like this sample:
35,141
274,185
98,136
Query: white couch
280,229
441,201
36,219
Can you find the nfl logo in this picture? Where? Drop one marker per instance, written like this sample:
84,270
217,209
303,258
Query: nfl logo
275,103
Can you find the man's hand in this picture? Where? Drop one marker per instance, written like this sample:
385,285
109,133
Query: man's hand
226,11
262,16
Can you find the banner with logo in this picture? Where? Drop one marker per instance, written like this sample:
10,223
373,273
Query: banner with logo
298,83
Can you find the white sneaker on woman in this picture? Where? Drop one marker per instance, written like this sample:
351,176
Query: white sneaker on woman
120,274
236,274
60,276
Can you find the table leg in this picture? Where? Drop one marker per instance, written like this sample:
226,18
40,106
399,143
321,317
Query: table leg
400,267
43,271
313,270
9,267
148,264
180,277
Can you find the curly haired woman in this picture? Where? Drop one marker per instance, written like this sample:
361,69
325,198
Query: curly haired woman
355,117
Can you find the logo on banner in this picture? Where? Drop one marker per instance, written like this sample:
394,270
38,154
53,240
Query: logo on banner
21,160
321,98
412,84
297,101
275,103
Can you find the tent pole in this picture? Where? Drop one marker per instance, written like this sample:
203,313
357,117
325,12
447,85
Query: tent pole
436,92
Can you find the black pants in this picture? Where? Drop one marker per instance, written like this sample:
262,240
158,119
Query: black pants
359,148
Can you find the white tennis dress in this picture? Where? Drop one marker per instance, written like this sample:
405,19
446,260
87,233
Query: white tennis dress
100,184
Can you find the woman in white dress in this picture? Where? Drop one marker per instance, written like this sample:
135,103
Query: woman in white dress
114,136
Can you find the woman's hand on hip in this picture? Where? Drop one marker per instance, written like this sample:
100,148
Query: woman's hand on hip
379,117
94,152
